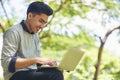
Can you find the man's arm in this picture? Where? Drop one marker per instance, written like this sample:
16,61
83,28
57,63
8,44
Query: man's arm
9,50
10,60
22,63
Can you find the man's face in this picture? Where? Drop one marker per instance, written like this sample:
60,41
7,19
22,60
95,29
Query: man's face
36,22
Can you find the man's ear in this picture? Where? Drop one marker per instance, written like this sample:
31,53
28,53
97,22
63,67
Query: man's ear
30,15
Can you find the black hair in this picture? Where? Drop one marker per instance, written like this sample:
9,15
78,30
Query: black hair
39,7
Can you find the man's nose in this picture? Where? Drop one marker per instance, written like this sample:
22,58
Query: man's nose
41,26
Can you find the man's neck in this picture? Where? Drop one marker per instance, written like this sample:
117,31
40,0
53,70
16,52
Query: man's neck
28,25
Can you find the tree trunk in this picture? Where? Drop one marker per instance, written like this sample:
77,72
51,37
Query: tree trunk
103,41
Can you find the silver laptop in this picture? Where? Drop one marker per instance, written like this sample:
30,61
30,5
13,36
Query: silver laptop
70,59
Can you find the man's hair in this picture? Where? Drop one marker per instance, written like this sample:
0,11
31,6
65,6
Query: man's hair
39,7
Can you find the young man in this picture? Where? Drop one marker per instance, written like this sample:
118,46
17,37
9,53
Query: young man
20,52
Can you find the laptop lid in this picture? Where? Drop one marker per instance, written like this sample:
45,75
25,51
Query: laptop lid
71,58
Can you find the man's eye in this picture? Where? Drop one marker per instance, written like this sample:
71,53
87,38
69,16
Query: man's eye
41,21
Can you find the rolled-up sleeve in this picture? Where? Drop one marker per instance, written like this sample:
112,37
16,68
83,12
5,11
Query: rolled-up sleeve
9,51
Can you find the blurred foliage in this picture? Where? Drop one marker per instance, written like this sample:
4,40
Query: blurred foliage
60,42
5,23
85,69
1,78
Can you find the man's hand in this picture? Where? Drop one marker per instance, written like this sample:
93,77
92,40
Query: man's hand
47,61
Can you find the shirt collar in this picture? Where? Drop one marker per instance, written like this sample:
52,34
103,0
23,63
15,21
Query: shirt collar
25,27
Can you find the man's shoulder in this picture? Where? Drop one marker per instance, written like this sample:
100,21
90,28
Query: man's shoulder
15,28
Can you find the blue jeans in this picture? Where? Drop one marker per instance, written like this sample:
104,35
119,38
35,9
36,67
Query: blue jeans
40,74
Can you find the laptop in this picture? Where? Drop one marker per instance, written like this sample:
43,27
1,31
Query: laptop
70,59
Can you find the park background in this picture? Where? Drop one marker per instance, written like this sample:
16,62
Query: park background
91,24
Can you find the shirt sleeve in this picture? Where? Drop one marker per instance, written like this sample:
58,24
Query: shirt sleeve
9,51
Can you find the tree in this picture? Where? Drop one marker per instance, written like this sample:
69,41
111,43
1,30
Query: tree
103,41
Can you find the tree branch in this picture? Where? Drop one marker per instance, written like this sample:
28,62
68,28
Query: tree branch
103,41
5,13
